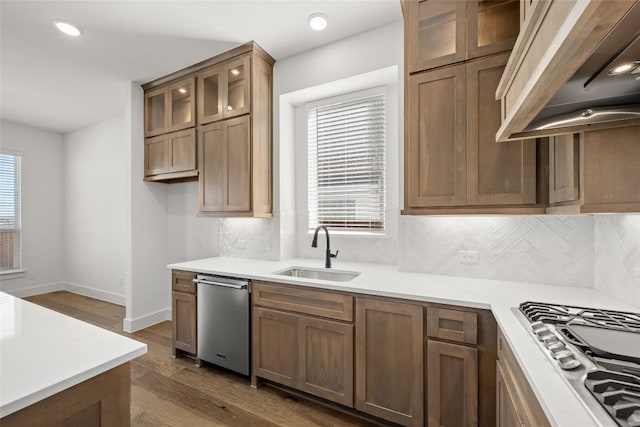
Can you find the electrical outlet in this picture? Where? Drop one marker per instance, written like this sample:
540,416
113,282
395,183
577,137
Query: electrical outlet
201,240
32,275
468,257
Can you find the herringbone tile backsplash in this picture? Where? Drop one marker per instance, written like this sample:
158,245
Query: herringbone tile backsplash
617,249
538,249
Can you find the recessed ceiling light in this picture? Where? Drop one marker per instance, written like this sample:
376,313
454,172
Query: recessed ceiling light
67,28
622,68
318,21
182,90
235,71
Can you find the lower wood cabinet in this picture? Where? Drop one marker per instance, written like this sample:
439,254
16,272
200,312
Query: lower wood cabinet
410,363
325,359
184,312
452,385
516,403
275,346
311,354
389,360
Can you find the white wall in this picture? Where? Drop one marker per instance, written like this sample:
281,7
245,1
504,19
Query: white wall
190,237
42,209
315,74
95,216
147,280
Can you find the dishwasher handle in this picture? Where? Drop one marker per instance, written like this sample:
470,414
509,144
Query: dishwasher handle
225,285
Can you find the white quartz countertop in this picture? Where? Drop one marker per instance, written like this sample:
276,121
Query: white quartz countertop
43,352
558,400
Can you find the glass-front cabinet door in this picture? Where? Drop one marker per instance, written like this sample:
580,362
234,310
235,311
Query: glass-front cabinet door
156,112
210,98
182,104
439,33
224,90
237,87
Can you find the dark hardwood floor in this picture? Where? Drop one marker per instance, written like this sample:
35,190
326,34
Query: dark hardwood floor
173,392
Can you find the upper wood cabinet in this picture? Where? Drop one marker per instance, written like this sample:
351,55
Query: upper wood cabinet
442,32
170,156
224,90
595,171
170,108
231,151
451,158
225,173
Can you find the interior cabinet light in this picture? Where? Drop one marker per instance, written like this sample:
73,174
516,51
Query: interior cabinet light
67,28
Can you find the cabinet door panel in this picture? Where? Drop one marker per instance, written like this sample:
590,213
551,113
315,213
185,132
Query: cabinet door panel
275,346
436,33
236,99
435,160
564,168
326,359
506,413
452,385
156,155
237,165
389,362
182,106
499,174
493,26
211,154
183,150
210,95
156,111
184,322
612,170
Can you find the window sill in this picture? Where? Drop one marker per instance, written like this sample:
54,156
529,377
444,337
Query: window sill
12,274
363,234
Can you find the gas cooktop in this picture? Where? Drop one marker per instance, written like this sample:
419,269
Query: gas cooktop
598,353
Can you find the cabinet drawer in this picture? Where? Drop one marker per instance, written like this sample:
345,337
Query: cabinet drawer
303,300
182,281
452,325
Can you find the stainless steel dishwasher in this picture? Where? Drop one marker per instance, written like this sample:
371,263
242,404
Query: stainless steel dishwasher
223,321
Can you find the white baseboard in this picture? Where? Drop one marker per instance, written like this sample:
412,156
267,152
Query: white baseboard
36,290
96,293
133,325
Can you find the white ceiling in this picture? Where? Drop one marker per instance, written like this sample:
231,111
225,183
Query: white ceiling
55,82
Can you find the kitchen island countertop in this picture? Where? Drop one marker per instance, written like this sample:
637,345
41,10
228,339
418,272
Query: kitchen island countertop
561,405
43,352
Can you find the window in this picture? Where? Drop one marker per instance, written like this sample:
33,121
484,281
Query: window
346,164
10,220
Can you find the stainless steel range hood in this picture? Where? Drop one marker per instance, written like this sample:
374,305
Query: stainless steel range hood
598,92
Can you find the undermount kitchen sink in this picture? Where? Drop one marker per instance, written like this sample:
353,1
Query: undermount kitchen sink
319,273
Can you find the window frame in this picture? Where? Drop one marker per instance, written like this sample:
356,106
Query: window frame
382,90
18,194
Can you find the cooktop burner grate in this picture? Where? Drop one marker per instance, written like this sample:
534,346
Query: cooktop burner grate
619,395
562,314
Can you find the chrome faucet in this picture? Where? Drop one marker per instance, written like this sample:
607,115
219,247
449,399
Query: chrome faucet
327,255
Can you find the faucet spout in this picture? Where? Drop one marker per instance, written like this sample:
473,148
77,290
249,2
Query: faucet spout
314,244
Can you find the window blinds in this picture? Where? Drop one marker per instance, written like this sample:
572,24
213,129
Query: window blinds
10,218
346,163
